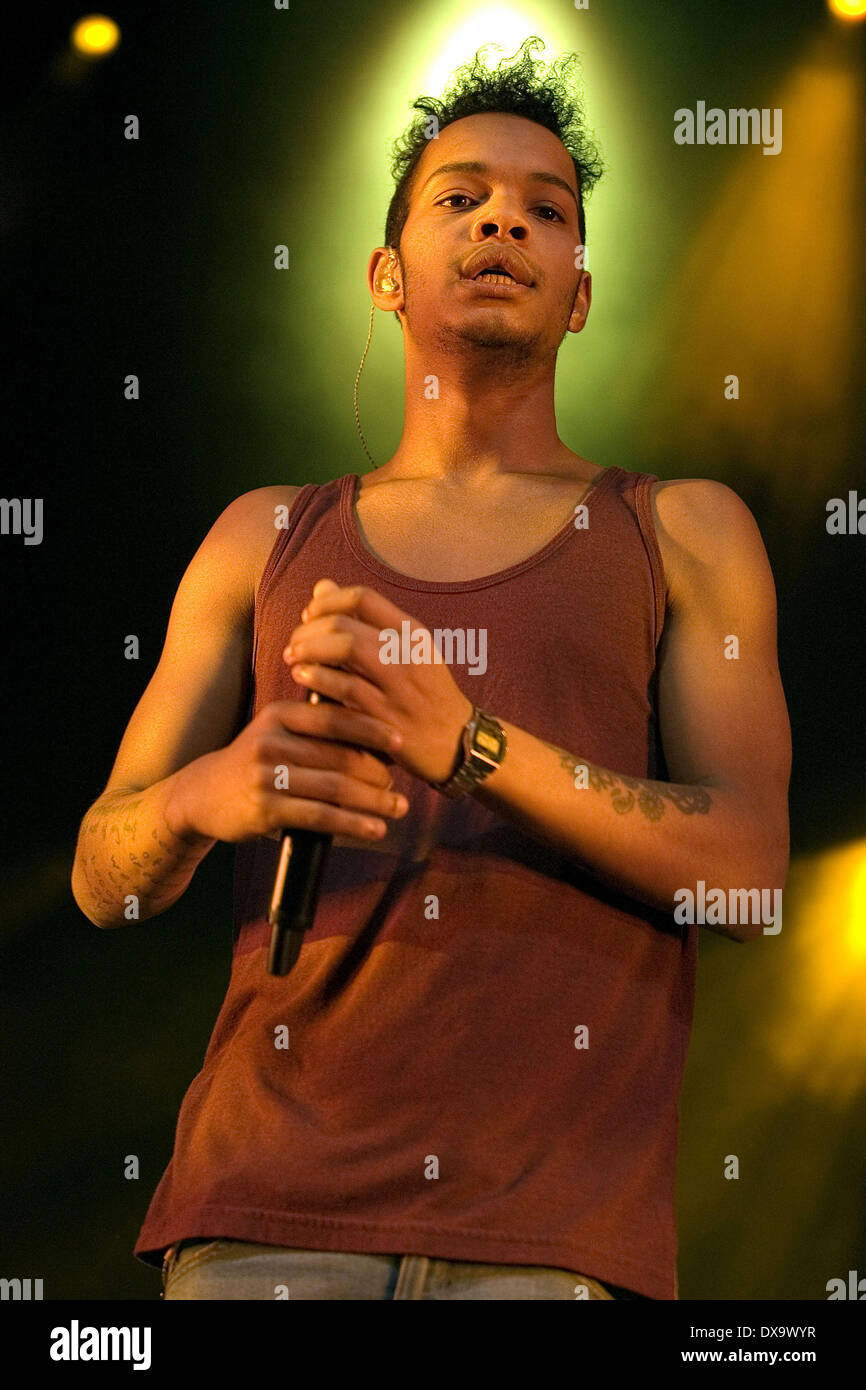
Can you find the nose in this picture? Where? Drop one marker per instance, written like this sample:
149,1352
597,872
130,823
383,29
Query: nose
500,218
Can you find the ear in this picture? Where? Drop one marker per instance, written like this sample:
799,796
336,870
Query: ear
582,301
384,279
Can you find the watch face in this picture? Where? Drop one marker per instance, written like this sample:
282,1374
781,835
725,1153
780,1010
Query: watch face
487,742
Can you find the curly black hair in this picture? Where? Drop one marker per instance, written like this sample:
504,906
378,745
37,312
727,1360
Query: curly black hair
519,89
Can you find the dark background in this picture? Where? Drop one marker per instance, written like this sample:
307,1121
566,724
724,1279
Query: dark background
156,258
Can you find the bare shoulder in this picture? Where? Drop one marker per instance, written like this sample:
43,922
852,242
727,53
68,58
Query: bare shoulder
244,533
703,526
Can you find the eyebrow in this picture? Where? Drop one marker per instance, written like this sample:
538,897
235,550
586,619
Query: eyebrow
472,166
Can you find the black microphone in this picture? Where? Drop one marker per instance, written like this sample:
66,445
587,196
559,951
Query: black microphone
296,885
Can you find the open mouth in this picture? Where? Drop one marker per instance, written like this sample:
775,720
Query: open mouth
496,275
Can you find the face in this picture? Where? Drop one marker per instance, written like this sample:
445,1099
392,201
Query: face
521,204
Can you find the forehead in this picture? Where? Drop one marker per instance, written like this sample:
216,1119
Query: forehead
507,144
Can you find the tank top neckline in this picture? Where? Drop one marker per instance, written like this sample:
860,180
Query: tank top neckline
349,490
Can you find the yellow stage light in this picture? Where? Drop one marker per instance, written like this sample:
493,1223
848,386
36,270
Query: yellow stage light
95,36
848,9
766,290
814,1026
857,914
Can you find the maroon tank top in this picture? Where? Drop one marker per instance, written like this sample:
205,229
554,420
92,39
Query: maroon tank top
414,1085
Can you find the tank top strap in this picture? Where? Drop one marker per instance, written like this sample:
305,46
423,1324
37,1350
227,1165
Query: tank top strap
643,485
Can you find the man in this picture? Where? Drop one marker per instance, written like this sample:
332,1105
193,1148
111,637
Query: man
467,1087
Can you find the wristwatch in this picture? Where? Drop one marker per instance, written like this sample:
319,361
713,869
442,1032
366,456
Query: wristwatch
482,750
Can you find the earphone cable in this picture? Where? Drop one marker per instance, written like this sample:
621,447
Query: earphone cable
357,379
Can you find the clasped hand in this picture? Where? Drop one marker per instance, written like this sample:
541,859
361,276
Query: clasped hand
336,650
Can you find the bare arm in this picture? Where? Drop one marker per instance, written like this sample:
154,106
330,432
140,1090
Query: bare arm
723,817
130,863
128,843
190,771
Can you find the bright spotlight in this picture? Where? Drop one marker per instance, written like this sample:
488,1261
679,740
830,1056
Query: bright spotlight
95,36
848,9
504,26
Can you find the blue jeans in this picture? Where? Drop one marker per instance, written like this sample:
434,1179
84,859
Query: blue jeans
237,1269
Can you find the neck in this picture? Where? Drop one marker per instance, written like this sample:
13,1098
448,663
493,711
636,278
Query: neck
486,419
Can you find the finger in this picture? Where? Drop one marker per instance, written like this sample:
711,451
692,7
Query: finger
306,751
294,814
337,789
335,640
332,722
347,688
343,632
312,628
359,600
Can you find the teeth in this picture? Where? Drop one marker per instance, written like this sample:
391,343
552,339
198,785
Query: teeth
496,277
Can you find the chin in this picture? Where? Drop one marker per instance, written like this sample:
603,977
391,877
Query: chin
498,336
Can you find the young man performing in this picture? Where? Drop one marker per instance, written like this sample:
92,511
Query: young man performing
468,1085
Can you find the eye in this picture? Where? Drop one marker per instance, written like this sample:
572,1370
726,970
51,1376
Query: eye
543,207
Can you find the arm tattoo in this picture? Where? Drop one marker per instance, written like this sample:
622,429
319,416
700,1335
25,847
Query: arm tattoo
628,792
116,859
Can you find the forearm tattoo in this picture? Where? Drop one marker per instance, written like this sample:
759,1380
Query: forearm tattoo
628,792
119,857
